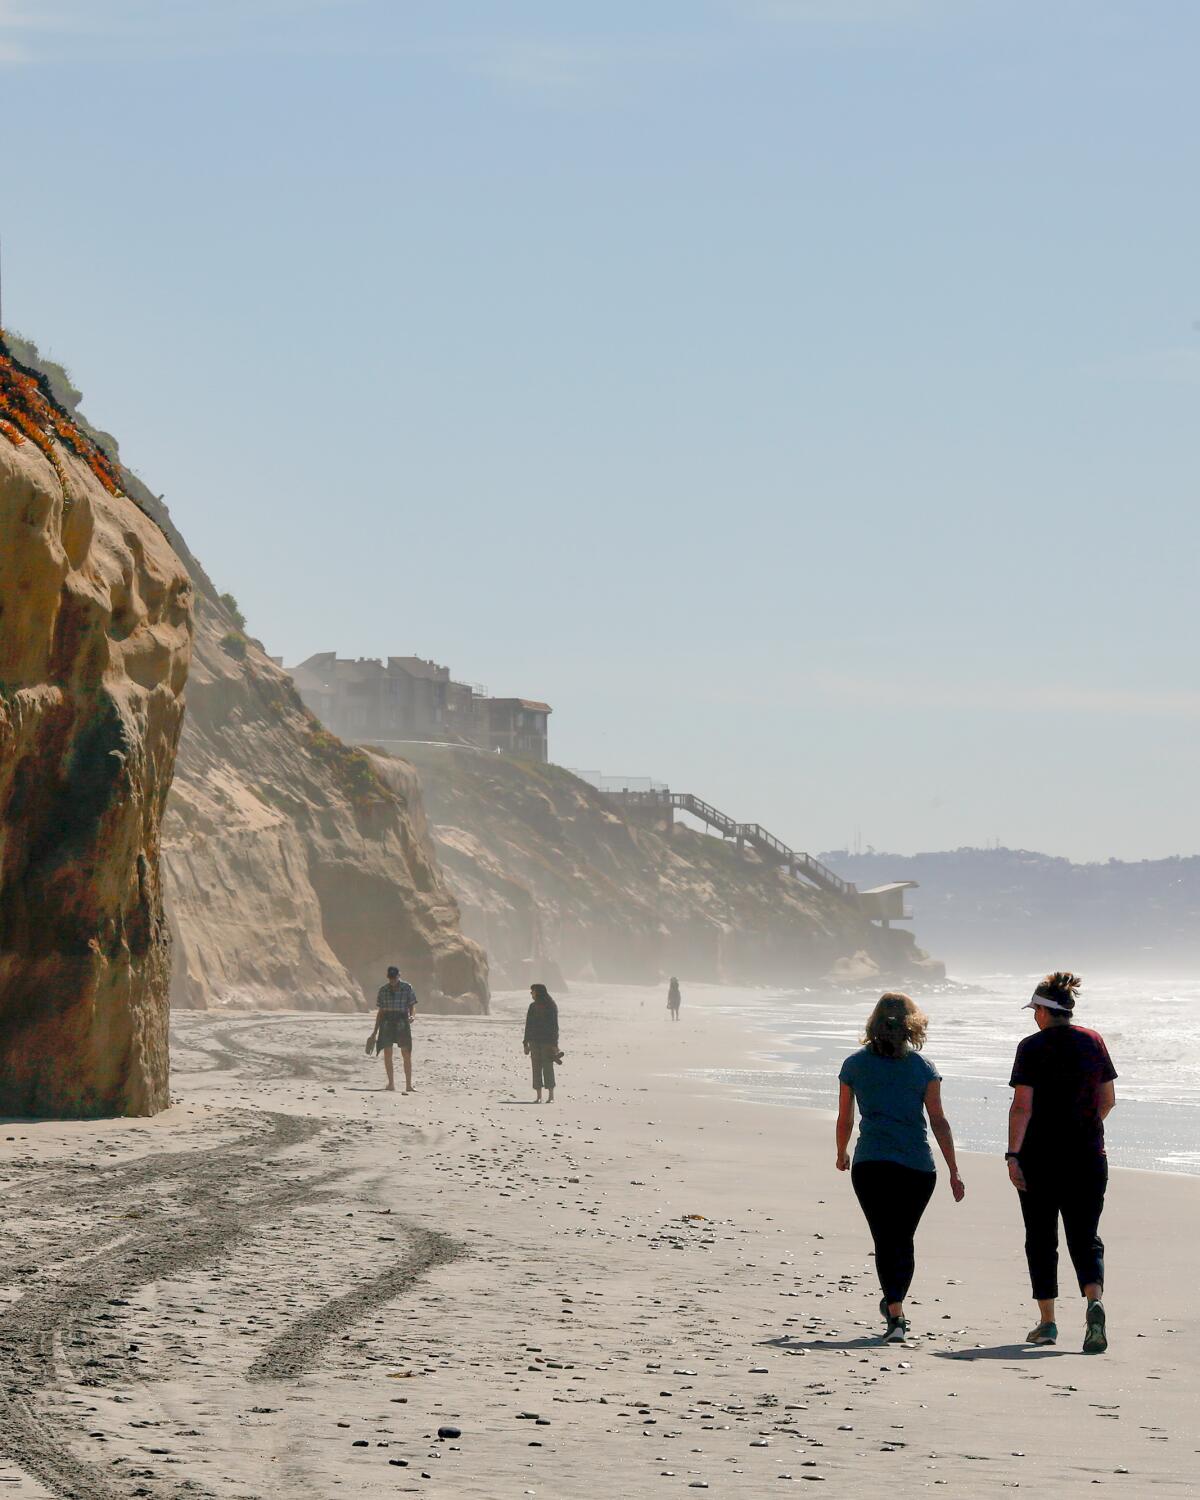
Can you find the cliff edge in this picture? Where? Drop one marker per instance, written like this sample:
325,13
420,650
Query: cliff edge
293,874
95,637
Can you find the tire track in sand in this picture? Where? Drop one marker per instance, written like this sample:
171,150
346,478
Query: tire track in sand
156,1250
299,1346
231,1053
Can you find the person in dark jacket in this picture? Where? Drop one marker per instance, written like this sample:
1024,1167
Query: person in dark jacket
541,1040
674,999
1062,1083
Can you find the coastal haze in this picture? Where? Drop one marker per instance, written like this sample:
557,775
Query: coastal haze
568,501
994,909
796,395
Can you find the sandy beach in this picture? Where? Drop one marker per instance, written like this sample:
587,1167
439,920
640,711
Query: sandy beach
290,1281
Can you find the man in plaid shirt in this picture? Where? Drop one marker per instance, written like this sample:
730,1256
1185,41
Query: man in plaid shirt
395,1003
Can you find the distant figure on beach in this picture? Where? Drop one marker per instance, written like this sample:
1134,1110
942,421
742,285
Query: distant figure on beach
674,999
395,1004
1062,1082
541,1040
893,1173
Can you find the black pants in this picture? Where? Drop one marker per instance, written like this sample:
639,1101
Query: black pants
1074,1189
893,1198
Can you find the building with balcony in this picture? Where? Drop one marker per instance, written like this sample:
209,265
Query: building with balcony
518,726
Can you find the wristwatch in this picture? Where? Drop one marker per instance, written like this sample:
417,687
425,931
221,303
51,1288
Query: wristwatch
1012,1156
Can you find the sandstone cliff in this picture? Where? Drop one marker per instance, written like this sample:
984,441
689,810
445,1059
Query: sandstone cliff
95,623
551,880
293,874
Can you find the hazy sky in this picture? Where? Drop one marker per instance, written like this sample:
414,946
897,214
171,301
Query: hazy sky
798,394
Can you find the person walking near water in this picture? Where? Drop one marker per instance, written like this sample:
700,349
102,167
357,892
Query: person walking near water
395,1005
893,1174
1062,1082
541,1040
674,999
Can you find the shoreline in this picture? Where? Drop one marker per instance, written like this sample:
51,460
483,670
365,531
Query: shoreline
291,1281
795,1071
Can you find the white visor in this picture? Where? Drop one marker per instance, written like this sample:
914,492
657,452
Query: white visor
1063,1010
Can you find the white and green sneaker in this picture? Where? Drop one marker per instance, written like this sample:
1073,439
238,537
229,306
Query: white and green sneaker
1095,1340
1043,1334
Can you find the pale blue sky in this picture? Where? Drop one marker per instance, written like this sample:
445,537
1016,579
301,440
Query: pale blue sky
799,394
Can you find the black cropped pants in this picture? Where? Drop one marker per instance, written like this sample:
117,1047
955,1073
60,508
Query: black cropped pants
1075,1190
893,1198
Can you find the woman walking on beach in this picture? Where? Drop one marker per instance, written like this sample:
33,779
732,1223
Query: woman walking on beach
541,1040
1062,1082
674,999
894,1088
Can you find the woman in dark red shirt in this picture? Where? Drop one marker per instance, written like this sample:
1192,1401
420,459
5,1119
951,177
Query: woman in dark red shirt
1062,1082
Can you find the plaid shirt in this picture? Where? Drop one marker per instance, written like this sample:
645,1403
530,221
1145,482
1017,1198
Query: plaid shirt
402,998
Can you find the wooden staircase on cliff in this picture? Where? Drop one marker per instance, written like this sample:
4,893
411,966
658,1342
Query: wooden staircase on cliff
773,850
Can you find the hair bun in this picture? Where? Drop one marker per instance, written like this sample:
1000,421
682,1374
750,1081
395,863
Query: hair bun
1061,983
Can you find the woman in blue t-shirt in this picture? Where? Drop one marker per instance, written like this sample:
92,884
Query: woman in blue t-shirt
893,1174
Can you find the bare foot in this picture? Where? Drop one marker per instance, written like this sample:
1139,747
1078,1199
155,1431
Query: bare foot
389,1088
410,1091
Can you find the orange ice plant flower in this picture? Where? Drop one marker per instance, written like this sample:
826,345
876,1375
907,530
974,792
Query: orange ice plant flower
27,411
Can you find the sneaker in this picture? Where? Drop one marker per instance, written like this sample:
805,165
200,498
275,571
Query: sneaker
897,1331
1044,1333
1095,1340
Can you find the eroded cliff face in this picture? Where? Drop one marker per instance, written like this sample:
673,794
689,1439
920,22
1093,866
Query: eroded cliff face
95,629
293,874
554,882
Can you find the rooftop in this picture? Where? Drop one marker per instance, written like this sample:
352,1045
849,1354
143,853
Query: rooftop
538,708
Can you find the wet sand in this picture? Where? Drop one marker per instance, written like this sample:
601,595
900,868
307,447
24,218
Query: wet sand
287,1284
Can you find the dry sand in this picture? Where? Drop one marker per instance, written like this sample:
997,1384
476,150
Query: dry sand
287,1284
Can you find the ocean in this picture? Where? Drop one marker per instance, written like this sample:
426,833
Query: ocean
1152,1028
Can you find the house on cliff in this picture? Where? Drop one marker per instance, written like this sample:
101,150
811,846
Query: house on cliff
369,701
519,727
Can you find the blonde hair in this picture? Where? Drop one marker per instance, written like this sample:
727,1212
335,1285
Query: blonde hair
896,1026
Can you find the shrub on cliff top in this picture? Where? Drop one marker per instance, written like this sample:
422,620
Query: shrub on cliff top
352,770
231,604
